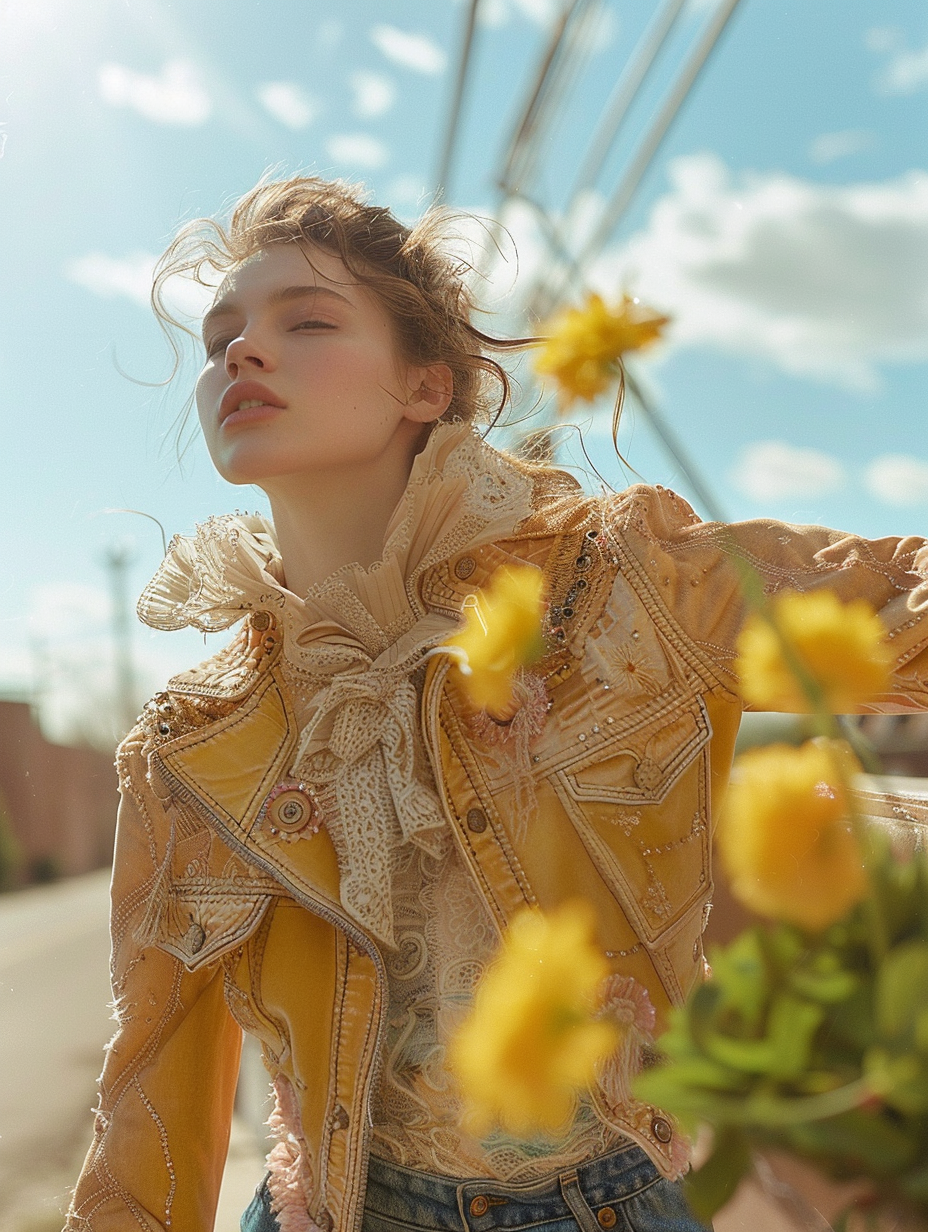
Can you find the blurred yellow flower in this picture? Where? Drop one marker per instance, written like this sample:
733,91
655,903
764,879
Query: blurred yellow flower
532,1039
583,345
841,644
502,633
785,837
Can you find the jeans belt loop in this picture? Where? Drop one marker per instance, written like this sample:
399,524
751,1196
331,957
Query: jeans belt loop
579,1207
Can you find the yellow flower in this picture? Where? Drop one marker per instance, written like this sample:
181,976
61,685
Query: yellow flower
583,345
840,644
531,1040
784,836
501,634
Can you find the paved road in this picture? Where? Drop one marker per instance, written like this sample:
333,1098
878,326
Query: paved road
54,1021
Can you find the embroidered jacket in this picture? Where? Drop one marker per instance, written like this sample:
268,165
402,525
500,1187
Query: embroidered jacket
228,911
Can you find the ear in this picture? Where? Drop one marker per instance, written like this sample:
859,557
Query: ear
431,390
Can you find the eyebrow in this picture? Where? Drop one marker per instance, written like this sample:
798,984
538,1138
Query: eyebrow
282,295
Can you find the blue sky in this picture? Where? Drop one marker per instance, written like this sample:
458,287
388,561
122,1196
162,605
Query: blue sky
783,225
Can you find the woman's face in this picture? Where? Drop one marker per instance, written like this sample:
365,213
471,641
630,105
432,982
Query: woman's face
302,371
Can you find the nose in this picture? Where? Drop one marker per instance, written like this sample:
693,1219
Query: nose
247,353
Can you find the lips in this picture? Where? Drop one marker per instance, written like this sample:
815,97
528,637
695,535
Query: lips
247,391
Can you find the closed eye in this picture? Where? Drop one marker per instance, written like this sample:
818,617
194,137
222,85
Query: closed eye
220,344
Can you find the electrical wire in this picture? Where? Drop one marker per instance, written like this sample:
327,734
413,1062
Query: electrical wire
624,93
454,114
630,181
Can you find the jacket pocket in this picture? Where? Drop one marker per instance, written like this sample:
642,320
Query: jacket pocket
639,803
200,923
642,764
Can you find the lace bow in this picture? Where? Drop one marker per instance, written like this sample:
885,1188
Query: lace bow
363,752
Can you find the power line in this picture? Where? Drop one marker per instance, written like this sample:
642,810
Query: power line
625,92
630,181
118,559
454,115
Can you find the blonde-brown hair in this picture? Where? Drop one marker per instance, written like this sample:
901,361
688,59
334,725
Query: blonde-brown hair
410,270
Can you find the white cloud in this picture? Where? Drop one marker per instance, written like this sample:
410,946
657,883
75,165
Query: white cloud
898,479
131,278
905,71
110,277
499,12
828,147
358,149
373,94
776,470
175,96
824,281
288,103
415,51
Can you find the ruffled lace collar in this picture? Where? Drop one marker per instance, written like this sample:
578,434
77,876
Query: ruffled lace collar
461,493
353,641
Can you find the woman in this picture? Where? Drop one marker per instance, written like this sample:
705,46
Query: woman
319,842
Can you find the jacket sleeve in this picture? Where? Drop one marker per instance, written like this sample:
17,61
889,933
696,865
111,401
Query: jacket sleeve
168,1083
685,568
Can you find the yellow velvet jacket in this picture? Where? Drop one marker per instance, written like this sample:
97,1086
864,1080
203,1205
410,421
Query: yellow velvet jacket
220,926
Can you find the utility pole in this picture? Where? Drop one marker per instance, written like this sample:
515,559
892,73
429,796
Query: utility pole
119,557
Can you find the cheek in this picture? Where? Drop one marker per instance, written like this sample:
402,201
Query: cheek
205,394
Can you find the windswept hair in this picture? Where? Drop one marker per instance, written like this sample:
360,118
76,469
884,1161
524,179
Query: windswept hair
411,270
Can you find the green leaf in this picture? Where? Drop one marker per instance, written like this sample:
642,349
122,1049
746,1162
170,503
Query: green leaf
902,989
740,977
828,987
915,1185
866,1141
900,1076
793,1023
716,1181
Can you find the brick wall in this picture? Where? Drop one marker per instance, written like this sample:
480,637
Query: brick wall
61,801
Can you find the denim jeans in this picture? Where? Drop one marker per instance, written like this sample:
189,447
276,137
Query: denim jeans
622,1190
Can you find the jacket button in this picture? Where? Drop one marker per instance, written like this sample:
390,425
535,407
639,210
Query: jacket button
341,1118
647,774
261,621
479,1205
476,820
661,1129
607,1217
464,567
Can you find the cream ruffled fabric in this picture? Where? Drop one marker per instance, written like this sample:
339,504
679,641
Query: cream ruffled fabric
350,647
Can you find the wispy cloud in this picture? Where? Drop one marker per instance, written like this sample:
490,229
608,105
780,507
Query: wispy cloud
176,95
288,103
111,277
898,479
905,71
777,470
357,149
824,281
499,12
130,278
415,51
829,147
373,94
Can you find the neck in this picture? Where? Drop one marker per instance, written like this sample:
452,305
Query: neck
339,516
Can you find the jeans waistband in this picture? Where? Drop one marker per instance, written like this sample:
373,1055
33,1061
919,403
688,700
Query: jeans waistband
424,1200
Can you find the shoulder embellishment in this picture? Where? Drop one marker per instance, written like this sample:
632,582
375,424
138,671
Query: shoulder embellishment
209,692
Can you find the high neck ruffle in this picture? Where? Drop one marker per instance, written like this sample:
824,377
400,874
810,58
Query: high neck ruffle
357,636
